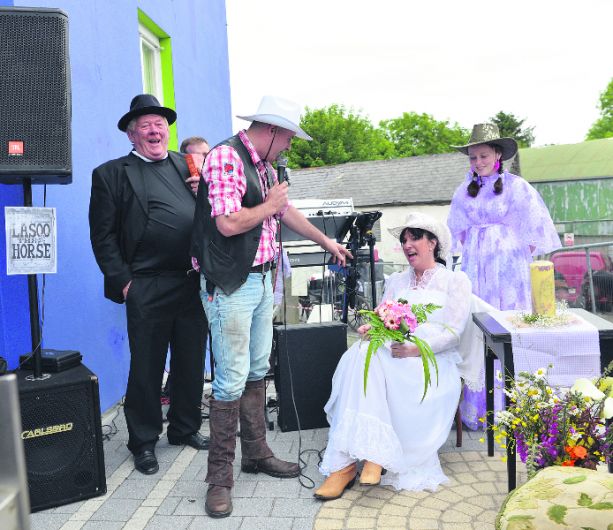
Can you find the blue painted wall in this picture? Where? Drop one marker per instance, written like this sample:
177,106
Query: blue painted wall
106,74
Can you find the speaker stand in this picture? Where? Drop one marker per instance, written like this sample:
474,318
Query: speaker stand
37,363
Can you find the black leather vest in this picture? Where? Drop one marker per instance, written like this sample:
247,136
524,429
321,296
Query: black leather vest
225,261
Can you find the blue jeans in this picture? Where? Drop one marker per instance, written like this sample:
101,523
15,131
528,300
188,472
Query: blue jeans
241,334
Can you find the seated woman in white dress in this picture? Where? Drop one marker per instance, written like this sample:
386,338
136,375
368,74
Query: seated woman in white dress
390,427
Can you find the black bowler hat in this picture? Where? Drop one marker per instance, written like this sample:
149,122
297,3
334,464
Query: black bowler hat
145,104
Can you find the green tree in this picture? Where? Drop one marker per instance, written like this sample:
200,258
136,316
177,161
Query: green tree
603,126
420,134
339,135
511,126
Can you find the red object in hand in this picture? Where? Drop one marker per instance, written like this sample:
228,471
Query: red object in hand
191,166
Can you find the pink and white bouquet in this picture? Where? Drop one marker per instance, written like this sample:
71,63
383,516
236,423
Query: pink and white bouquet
396,321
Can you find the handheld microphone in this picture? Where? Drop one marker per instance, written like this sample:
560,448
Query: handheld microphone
282,169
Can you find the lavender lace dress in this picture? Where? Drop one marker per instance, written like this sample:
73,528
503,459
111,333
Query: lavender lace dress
498,235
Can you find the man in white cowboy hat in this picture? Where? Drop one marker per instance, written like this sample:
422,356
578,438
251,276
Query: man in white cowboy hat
140,216
238,207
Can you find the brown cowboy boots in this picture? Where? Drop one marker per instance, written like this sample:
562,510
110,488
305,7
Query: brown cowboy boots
223,421
256,455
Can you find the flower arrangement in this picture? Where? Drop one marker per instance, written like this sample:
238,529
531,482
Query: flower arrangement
396,321
562,317
557,427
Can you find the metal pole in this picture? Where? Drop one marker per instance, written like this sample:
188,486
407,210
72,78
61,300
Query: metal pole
33,298
373,279
588,260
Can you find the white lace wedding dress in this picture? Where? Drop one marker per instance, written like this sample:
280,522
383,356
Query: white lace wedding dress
390,426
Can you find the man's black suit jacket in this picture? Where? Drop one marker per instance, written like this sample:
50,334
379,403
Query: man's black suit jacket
118,215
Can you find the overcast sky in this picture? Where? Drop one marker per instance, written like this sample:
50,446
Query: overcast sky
543,60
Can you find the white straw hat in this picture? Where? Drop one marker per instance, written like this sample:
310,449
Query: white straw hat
426,222
281,112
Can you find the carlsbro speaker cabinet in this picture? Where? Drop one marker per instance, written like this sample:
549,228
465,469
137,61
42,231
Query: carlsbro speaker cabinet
310,352
62,437
35,96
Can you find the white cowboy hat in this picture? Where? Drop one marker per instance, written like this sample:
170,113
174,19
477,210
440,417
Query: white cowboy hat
281,112
426,222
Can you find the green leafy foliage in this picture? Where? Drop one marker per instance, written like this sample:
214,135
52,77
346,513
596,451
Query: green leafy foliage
415,134
339,135
603,126
511,126
378,335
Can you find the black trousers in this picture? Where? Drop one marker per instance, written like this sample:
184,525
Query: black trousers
164,311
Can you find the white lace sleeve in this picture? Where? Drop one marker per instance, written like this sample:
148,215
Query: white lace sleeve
444,328
393,285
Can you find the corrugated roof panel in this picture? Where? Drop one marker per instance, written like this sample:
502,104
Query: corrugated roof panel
592,159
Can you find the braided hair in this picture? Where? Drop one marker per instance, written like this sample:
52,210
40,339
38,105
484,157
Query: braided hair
475,183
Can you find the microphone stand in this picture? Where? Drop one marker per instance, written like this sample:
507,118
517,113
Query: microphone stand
37,362
371,240
352,271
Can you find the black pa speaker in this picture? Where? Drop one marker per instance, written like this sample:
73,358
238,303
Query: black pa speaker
35,96
62,437
311,352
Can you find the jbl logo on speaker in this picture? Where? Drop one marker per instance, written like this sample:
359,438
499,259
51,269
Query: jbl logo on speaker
15,148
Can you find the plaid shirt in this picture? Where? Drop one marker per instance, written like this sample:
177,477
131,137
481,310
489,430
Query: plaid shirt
224,174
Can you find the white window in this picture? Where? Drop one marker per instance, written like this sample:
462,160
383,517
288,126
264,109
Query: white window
151,63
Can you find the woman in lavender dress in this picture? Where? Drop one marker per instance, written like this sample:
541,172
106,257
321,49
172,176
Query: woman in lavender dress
498,222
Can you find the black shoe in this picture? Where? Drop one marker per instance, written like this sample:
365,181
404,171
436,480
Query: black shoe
146,462
195,440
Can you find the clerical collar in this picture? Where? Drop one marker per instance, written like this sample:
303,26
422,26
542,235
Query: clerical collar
135,152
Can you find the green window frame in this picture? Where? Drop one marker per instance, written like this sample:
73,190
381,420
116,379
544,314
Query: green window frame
156,67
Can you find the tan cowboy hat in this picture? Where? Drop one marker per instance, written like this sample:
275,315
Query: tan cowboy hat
281,112
145,104
488,133
426,222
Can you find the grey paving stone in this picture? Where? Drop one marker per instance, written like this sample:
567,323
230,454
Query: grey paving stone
188,488
200,458
67,508
133,489
103,525
302,523
227,523
47,520
168,506
252,507
243,489
266,523
190,506
116,510
295,507
167,453
193,472
281,488
165,522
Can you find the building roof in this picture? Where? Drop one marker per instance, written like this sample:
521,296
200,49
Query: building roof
586,160
418,179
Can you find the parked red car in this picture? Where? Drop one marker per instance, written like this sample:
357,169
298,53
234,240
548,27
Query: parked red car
572,265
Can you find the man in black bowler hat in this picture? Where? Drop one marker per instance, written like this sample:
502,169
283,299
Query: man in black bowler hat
140,218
